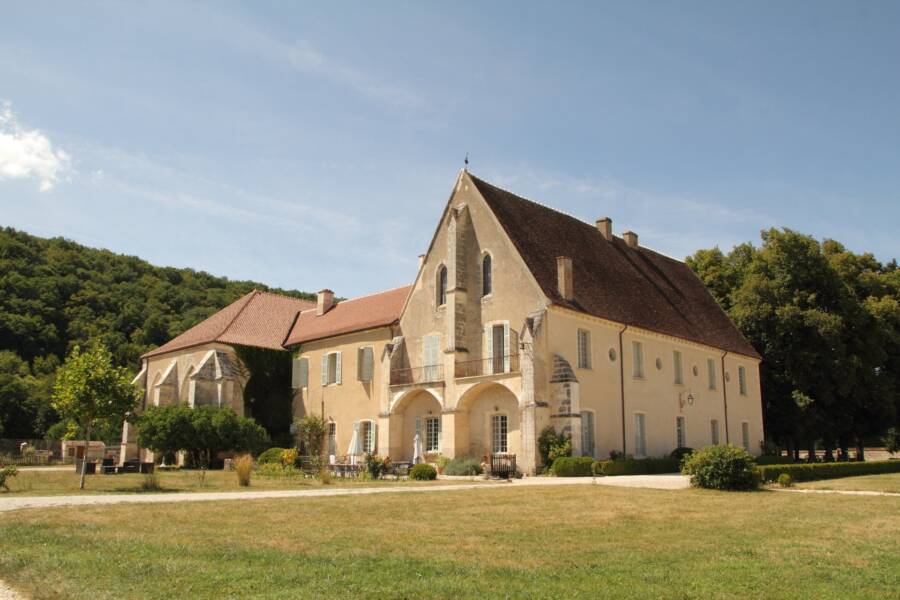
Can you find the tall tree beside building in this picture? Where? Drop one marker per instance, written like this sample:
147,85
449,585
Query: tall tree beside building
825,321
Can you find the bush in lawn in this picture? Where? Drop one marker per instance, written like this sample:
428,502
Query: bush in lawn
785,480
721,468
463,466
773,459
243,466
272,455
810,472
636,466
572,466
7,473
680,452
423,472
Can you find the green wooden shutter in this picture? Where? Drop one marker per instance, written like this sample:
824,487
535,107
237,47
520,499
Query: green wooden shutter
324,369
337,367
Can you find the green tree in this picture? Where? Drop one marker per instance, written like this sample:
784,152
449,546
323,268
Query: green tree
165,429
89,389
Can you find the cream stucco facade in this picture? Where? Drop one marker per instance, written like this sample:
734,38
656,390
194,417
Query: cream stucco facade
498,338
491,368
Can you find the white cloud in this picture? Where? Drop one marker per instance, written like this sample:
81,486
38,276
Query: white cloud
28,153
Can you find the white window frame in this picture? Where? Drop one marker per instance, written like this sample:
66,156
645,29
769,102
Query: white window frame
327,359
680,432
496,436
368,428
510,342
360,364
640,435
588,434
637,359
714,432
711,373
742,380
432,434
583,347
331,438
678,367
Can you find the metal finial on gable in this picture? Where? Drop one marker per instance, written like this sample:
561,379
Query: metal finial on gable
466,168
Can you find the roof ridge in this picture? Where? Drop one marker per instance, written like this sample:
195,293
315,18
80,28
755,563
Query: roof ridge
285,296
571,216
363,297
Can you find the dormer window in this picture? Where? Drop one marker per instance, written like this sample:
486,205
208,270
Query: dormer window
442,286
487,281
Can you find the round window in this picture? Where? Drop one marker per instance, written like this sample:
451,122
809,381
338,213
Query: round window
612,354
696,372
659,363
727,376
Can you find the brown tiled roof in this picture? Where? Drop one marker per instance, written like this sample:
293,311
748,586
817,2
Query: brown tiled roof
356,314
637,287
260,319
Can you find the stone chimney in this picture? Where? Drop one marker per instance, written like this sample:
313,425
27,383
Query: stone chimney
604,226
631,238
324,301
564,283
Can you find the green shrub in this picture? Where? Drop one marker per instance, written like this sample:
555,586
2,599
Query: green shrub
552,445
891,440
680,452
785,480
423,472
572,466
377,466
773,459
463,466
289,457
636,466
7,473
278,471
272,455
721,468
809,472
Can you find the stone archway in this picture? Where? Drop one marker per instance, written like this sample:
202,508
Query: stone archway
417,411
488,420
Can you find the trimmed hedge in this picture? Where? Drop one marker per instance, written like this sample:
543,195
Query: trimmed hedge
812,471
463,466
636,466
572,466
272,455
423,472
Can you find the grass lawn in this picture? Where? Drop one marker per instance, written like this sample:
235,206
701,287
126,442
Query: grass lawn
55,483
572,541
888,482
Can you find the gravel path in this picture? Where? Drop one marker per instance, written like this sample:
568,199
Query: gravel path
7,593
667,482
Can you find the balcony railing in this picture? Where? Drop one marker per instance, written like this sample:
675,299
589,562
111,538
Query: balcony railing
488,366
413,375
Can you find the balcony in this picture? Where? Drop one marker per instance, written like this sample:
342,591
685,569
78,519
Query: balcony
497,365
417,375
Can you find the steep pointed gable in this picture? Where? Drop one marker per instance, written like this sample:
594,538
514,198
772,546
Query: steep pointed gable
633,286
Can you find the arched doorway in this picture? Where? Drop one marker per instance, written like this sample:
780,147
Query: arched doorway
488,422
417,412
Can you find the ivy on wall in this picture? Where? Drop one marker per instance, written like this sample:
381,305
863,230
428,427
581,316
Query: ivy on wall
267,393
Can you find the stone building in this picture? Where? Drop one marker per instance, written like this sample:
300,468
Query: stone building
522,317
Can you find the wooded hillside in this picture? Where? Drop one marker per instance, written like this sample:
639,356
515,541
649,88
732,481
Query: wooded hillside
55,293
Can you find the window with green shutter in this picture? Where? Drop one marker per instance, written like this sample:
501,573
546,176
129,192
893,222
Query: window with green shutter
584,349
742,380
365,364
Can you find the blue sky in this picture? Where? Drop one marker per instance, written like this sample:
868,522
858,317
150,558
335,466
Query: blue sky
315,145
